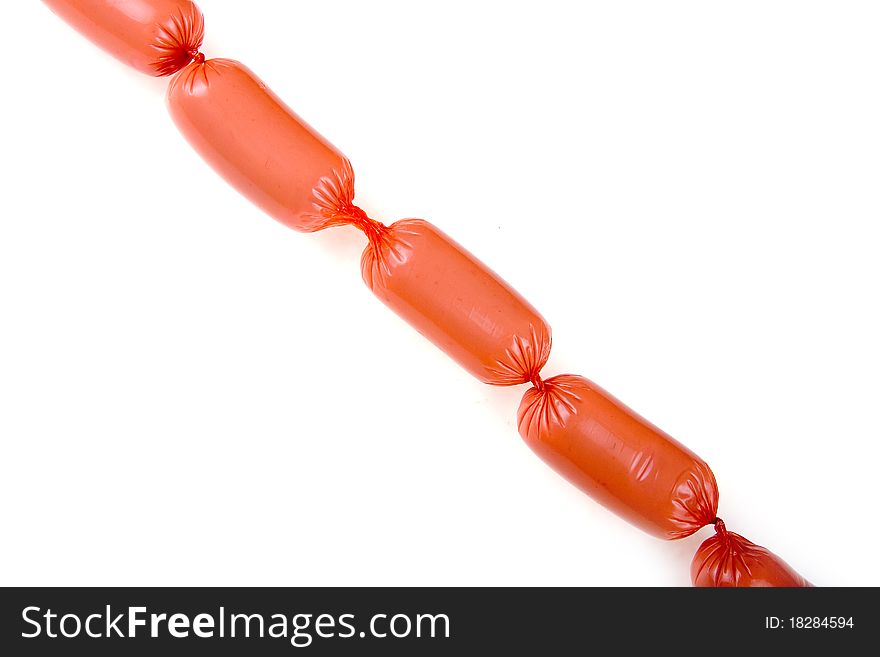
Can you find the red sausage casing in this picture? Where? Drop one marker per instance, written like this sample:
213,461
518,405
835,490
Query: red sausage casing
618,458
157,37
260,146
728,559
456,302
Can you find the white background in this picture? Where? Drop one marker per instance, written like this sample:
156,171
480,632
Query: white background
688,191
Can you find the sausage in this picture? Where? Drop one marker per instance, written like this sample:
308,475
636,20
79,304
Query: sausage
456,302
260,146
157,37
728,559
280,163
618,458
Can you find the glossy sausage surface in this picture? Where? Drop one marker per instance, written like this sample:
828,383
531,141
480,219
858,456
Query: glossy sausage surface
260,146
618,458
157,37
456,302
728,559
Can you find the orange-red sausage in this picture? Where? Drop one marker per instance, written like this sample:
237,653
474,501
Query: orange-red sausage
456,302
157,37
260,146
728,559
617,457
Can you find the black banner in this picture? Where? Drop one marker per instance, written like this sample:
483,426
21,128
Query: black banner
420,621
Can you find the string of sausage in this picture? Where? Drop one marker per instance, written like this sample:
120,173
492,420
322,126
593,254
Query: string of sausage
267,152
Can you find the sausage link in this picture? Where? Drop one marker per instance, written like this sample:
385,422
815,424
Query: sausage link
618,458
728,559
260,146
157,37
456,302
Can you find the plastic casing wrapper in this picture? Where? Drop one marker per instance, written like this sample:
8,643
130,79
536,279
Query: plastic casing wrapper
728,559
157,37
260,146
618,458
456,302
